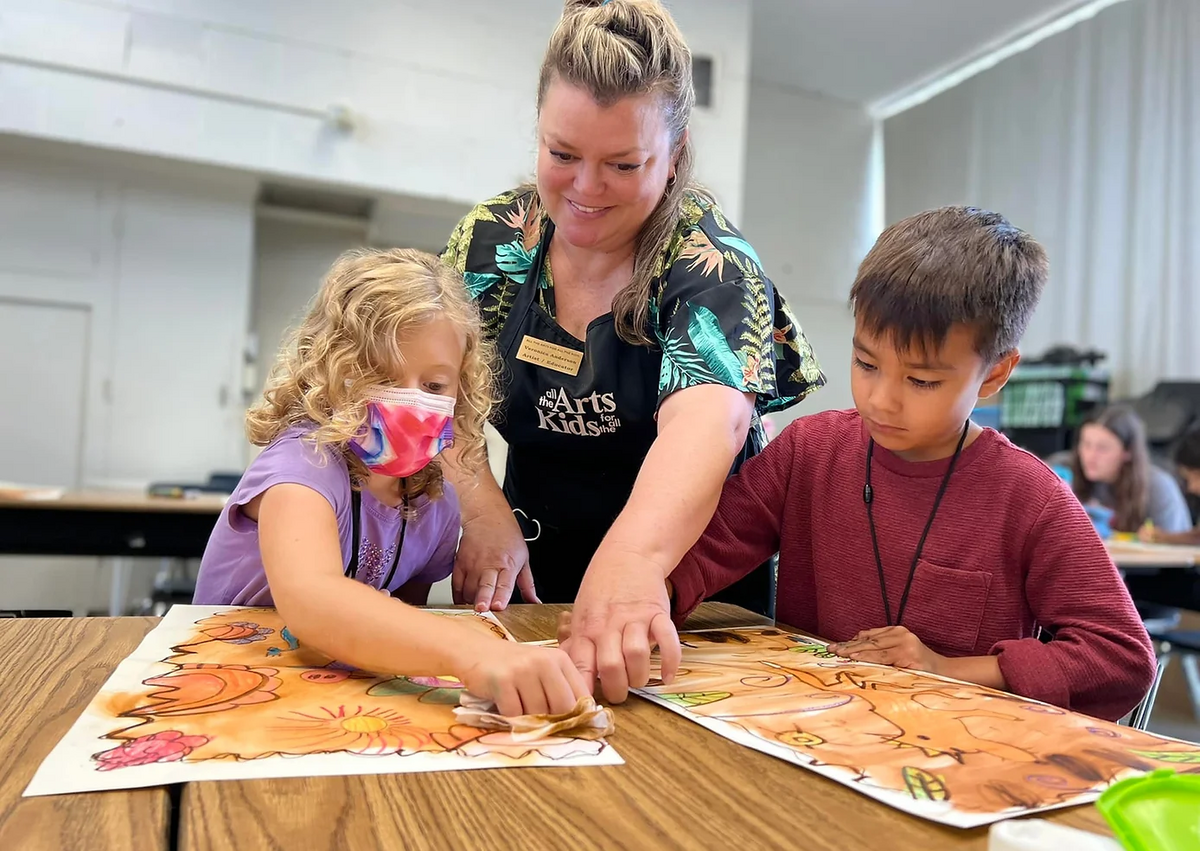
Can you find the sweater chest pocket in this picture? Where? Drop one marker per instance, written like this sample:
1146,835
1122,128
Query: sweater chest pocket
945,607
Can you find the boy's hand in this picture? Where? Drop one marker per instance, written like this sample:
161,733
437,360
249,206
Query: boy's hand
522,679
890,645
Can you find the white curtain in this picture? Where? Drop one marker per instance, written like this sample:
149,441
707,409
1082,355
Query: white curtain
1091,141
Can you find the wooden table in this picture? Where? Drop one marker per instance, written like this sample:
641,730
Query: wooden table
116,524
681,786
52,669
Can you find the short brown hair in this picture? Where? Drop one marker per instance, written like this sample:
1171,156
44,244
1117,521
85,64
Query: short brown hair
954,265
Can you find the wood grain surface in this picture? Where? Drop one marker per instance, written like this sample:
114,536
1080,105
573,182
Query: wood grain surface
52,669
681,787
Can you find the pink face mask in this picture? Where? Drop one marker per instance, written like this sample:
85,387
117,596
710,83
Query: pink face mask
404,431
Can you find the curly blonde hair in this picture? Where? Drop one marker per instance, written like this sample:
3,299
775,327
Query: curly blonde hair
350,340
615,49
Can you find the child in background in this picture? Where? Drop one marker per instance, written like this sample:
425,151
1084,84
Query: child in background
907,534
346,500
1111,468
1187,459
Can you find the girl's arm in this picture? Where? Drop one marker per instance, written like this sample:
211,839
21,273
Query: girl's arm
1188,538
357,625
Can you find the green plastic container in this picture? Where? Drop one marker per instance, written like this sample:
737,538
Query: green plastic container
1159,811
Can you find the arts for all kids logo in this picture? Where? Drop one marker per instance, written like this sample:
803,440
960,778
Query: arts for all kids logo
590,416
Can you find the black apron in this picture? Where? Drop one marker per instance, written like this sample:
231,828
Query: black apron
577,442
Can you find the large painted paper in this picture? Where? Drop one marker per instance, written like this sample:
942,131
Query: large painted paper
225,693
959,754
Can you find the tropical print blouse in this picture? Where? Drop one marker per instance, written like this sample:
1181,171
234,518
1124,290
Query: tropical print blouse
715,314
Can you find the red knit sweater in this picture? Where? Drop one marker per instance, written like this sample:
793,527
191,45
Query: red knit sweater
1011,548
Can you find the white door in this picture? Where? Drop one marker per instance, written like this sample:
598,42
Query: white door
43,380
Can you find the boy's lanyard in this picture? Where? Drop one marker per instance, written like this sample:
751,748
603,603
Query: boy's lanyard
355,525
869,499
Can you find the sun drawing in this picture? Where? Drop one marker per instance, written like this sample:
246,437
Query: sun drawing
372,732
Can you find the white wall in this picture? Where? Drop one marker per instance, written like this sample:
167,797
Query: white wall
442,93
810,214
291,256
159,262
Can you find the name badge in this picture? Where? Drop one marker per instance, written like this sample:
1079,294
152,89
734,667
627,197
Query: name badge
549,355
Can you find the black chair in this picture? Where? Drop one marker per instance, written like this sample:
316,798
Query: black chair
1184,643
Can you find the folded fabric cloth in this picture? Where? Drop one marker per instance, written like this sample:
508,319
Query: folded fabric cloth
586,721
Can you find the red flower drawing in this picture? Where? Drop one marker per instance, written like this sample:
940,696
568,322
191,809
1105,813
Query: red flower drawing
167,746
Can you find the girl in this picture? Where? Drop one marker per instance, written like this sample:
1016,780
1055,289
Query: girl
1111,467
347,500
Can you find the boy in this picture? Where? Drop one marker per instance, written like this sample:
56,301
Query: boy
907,534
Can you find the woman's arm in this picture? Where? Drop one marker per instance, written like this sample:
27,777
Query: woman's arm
492,556
355,624
622,604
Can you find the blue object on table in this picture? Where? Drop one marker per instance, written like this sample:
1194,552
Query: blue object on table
1101,518
1063,472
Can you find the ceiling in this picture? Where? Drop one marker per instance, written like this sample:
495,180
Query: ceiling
866,50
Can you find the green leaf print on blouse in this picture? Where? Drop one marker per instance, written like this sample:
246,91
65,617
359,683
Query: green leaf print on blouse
479,283
703,356
739,244
514,260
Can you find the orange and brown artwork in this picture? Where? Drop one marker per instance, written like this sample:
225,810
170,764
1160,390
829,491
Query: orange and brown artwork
229,693
956,753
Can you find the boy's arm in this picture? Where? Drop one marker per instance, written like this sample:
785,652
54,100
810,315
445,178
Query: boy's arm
744,532
1100,661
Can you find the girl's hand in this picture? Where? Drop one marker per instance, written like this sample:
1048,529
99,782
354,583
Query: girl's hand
523,679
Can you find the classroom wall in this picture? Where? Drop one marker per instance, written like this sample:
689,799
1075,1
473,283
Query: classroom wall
441,95
156,265
810,208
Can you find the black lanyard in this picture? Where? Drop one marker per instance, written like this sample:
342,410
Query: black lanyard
355,525
869,499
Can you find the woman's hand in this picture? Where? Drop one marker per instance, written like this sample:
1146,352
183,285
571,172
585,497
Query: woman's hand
492,558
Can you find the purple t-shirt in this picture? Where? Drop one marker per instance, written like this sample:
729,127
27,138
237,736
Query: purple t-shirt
231,572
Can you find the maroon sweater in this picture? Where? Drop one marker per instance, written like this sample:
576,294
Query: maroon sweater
1011,548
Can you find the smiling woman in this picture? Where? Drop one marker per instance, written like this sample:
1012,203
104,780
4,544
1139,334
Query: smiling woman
641,338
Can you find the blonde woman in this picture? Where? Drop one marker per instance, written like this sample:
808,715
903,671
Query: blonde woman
346,500
640,336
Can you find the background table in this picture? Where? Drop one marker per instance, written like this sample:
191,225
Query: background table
1126,554
116,524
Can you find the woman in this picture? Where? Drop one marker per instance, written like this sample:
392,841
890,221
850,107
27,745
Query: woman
640,337
1111,467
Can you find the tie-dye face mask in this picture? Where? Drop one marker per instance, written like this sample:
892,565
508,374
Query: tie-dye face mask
404,431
